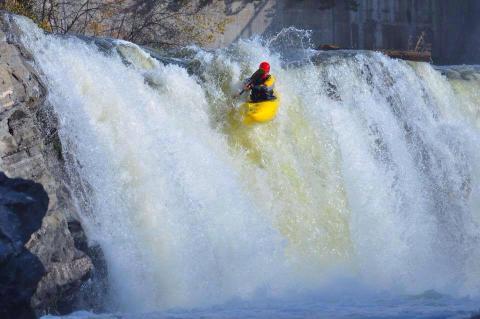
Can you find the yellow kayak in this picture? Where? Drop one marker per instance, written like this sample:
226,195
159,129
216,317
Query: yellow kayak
260,112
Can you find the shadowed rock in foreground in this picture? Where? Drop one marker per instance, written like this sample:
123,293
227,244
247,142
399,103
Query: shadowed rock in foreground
23,204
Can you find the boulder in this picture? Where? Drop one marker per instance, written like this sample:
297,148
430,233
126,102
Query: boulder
23,205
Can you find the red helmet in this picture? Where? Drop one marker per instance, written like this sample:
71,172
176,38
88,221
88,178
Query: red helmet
265,66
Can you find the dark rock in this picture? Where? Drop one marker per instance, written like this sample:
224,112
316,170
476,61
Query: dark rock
92,294
23,204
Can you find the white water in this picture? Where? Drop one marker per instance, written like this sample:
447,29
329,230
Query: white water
377,182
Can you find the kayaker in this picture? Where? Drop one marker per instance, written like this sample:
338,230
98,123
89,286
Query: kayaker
261,84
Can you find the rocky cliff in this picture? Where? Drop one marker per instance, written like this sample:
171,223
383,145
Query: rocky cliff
30,149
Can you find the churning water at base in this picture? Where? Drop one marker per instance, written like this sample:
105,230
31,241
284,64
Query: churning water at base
428,305
364,189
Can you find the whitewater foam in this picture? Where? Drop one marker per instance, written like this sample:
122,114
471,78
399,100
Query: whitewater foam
369,171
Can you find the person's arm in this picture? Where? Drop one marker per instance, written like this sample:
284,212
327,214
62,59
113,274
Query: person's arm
255,78
250,82
247,85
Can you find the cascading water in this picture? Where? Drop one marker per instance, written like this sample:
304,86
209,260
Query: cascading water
370,171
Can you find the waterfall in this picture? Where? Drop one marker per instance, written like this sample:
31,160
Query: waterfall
370,170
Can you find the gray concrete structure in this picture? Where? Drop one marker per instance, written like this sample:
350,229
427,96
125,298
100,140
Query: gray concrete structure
451,27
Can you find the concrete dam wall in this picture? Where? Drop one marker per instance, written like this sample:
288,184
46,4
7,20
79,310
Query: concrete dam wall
449,26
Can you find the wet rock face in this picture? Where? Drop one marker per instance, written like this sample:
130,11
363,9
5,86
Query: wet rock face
30,149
